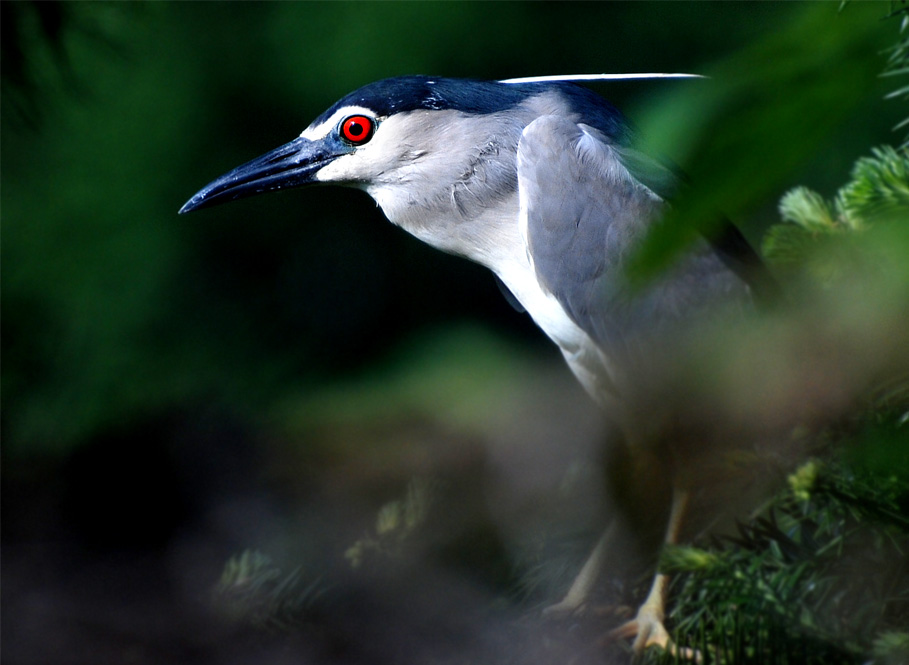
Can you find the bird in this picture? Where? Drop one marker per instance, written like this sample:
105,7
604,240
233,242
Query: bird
540,180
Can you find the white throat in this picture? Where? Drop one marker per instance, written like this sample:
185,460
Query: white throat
496,242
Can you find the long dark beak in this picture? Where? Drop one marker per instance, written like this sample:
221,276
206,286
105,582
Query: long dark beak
291,165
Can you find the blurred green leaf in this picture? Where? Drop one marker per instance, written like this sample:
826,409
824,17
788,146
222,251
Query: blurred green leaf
811,237
763,113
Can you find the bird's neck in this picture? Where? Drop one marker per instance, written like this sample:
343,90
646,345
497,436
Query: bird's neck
493,239
487,235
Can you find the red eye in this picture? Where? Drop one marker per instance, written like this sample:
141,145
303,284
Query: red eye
357,129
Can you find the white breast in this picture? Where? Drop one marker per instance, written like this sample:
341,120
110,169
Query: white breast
591,367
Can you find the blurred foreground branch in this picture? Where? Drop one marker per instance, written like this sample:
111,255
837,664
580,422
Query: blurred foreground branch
819,575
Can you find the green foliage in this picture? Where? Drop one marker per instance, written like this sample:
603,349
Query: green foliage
898,58
40,44
892,648
820,577
877,193
395,523
765,110
255,592
879,190
114,308
809,210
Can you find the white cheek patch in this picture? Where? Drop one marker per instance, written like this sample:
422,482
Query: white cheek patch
373,162
341,169
320,131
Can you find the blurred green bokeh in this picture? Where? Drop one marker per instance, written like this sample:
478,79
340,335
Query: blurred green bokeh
115,308
265,374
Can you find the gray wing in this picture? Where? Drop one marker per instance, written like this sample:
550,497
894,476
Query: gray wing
723,236
582,213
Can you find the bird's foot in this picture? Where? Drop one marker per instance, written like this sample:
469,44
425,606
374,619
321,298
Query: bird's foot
648,630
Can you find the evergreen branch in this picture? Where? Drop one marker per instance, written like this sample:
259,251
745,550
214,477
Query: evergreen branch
252,590
879,186
812,581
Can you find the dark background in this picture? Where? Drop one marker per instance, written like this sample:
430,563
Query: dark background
267,374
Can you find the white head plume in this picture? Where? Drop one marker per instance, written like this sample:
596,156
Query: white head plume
599,77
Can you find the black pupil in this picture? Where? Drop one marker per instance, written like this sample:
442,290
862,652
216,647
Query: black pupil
356,128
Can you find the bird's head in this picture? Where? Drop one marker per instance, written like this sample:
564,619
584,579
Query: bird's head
409,139
412,132
439,155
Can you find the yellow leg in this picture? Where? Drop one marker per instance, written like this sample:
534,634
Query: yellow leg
577,595
647,627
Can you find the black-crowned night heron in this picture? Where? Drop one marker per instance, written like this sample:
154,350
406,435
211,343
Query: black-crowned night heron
539,181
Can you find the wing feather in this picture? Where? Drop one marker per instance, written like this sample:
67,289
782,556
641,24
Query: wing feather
582,213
